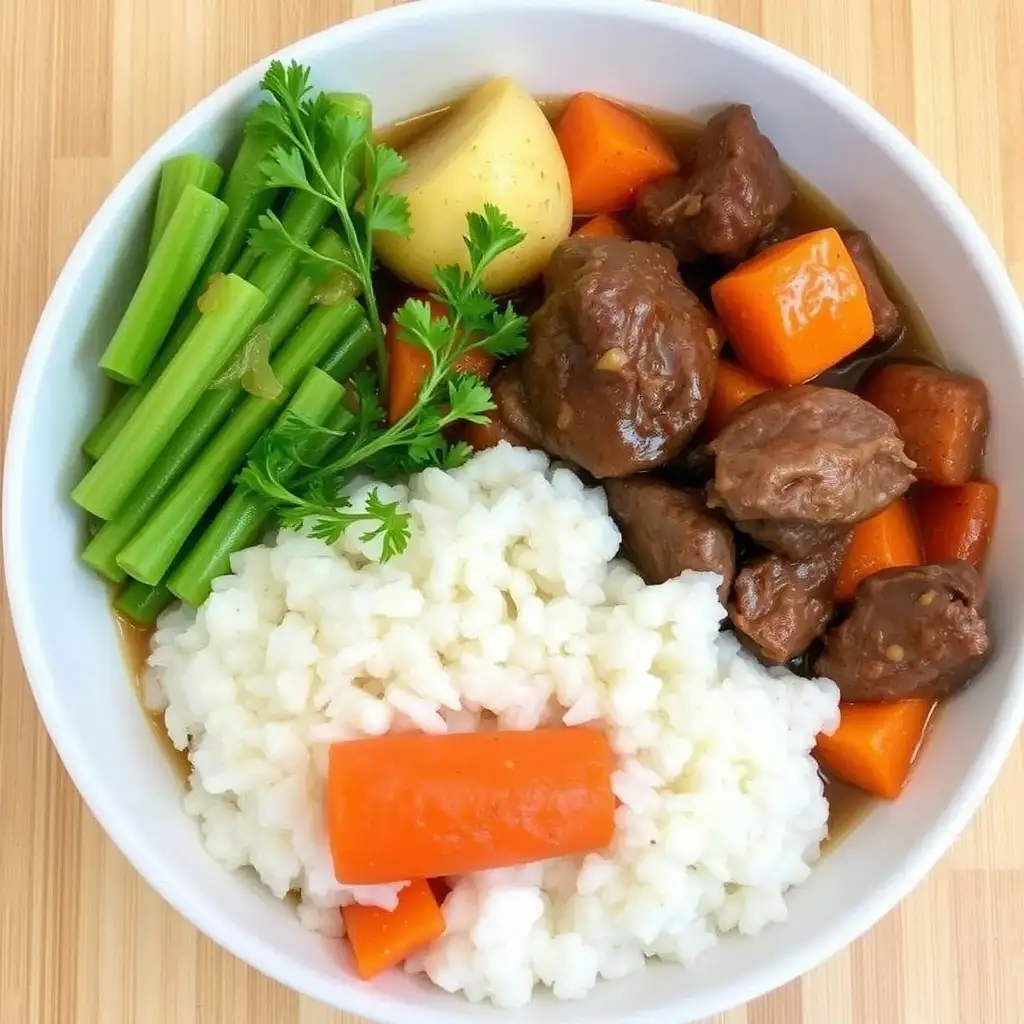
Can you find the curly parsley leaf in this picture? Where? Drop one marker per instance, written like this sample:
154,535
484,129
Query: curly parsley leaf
330,155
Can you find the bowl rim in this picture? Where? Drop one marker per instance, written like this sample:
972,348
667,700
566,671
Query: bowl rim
129,835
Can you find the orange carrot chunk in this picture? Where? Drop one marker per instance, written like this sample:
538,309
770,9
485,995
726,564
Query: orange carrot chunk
795,309
414,805
610,152
602,226
733,387
942,417
875,744
888,539
382,939
957,522
408,364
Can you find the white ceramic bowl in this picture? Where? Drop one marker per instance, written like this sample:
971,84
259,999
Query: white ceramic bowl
407,59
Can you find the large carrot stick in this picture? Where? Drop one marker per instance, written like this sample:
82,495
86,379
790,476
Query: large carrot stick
421,806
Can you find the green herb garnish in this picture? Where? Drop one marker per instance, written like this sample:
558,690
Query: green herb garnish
306,127
311,135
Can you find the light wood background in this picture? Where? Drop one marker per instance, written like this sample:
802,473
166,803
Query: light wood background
85,86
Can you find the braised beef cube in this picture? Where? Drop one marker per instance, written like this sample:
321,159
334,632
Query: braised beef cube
735,193
784,605
792,539
808,454
911,632
666,530
621,359
884,312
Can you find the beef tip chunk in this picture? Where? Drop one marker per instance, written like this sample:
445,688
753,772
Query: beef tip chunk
884,312
792,539
666,530
912,632
782,606
621,359
507,392
811,455
942,417
734,195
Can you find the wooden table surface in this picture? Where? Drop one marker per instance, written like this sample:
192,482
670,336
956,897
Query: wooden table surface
86,87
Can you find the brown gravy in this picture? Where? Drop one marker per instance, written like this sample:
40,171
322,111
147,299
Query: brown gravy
135,646
810,210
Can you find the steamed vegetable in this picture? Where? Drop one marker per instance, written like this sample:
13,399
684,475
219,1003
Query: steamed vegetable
886,540
875,744
611,153
245,197
733,387
170,273
957,522
229,316
202,423
149,554
141,603
175,176
382,939
410,364
415,805
242,518
496,148
795,309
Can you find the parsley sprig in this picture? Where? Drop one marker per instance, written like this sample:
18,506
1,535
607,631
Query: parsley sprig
330,155
315,496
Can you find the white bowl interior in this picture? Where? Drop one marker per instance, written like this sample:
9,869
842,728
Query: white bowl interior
408,60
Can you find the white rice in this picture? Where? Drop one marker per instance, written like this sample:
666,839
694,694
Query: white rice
509,600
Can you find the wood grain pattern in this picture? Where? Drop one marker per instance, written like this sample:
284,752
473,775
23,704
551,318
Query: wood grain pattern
87,85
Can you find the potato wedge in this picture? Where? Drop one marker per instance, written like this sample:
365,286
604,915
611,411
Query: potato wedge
495,147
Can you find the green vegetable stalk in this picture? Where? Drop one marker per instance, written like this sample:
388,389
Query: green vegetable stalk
247,195
149,554
166,281
199,428
230,315
143,604
175,175
242,518
304,214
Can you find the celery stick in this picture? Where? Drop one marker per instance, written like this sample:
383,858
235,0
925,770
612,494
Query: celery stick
241,519
165,282
149,554
175,175
198,429
217,336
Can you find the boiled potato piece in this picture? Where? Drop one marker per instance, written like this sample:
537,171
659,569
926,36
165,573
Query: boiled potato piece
496,147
